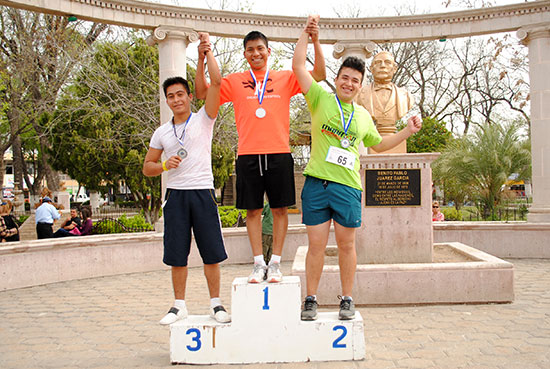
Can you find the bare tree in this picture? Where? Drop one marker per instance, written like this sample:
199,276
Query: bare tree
39,53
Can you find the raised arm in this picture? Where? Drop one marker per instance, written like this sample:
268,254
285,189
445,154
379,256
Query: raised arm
201,86
319,72
212,102
414,124
299,60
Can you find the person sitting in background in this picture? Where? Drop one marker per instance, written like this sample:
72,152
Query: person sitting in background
46,214
9,232
437,215
67,228
86,227
267,232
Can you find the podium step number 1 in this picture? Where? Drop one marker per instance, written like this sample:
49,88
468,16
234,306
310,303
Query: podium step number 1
266,328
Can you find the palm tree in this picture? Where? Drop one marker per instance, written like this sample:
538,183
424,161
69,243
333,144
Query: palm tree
482,162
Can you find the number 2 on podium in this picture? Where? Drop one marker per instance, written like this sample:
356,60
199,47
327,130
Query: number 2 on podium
336,343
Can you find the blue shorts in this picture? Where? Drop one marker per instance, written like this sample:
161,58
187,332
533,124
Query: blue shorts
197,209
324,200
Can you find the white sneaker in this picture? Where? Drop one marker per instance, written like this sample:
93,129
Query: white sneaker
258,274
274,274
219,314
174,314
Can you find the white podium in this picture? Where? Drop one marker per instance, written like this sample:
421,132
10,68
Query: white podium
266,328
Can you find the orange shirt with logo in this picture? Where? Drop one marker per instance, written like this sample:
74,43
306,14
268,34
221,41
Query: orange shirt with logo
270,134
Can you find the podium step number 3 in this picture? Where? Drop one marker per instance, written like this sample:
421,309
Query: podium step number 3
266,328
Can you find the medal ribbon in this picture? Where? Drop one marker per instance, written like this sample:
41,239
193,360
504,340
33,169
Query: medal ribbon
343,117
182,137
260,90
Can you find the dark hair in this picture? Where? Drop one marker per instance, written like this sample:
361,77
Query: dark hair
86,213
255,35
174,81
353,62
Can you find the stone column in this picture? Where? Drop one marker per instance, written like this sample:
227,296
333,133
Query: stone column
538,41
172,43
94,200
360,49
64,198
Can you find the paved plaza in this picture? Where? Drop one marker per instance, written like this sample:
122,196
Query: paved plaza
112,322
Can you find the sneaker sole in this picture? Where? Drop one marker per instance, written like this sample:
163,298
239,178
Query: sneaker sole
309,319
221,321
172,320
275,280
346,317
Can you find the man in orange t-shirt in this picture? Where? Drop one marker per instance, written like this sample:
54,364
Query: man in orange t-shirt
261,99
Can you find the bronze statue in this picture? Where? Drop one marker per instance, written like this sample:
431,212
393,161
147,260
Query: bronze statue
385,102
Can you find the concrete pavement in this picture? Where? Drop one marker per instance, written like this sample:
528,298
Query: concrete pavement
112,322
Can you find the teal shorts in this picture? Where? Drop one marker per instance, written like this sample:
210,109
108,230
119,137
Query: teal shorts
323,200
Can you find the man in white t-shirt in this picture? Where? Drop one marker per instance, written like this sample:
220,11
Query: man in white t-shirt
190,202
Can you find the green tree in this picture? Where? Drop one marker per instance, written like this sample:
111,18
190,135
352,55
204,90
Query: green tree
39,53
433,137
481,163
106,118
222,163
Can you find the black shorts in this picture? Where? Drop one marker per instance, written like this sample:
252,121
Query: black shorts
197,209
272,174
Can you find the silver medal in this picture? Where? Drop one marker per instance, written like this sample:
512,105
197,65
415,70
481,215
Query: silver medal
182,153
344,142
260,112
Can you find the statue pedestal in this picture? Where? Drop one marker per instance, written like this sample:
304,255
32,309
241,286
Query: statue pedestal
397,225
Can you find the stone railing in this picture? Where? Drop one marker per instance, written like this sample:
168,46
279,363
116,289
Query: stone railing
30,263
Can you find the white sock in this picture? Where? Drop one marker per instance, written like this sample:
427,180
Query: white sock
215,301
275,259
259,259
347,298
180,304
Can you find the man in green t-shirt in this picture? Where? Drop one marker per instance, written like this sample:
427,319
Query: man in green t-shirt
332,190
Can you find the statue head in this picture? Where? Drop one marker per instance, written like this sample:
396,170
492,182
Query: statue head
383,67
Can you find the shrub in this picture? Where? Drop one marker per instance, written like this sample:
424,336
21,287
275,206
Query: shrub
452,214
107,227
21,219
122,225
137,221
229,215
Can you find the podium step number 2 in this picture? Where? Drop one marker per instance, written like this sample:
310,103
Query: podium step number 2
266,328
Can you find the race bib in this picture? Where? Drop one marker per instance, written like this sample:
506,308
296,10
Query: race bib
341,157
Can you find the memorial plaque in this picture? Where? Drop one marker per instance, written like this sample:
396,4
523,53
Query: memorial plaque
392,187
